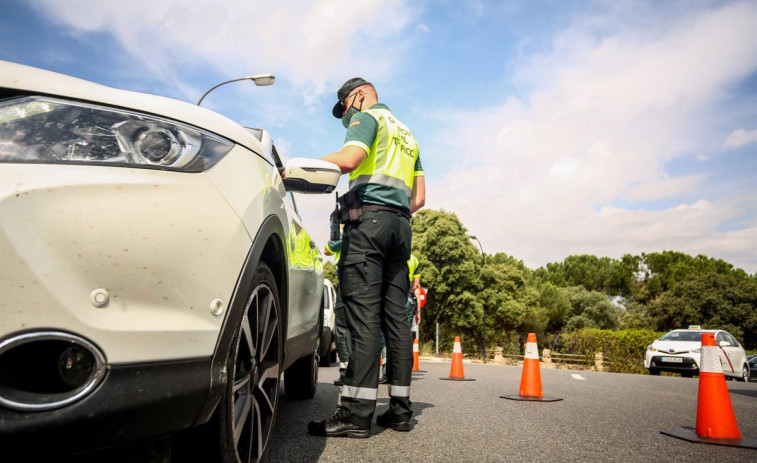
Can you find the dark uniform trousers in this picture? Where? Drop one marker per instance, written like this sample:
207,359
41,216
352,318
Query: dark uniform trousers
374,284
341,335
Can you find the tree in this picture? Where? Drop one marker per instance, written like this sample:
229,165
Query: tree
448,266
591,309
712,301
556,305
662,270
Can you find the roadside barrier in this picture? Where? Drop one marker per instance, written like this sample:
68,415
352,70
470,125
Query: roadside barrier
716,422
530,380
456,372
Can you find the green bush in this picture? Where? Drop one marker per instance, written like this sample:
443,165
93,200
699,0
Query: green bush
623,350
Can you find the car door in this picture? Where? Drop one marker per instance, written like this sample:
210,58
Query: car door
735,352
305,271
726,350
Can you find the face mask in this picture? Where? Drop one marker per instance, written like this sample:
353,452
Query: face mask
348,115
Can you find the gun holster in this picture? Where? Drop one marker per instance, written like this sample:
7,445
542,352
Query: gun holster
350,209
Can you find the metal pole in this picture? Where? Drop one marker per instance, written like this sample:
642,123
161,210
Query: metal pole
437,338
483,314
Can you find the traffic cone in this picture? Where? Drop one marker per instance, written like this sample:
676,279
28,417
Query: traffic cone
456,372
530,380
716,422
416,356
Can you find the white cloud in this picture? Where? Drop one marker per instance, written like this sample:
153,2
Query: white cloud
313,45
740,138
539,174
664,188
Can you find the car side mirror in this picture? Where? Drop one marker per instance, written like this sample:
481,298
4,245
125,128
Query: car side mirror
305,175
724,344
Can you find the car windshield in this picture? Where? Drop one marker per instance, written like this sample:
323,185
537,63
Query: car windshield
682,336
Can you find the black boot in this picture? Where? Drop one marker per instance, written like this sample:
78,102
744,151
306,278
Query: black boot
340,425
388,420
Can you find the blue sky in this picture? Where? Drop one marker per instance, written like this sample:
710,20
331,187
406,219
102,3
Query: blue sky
550,128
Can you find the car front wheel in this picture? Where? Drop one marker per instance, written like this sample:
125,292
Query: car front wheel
654,372
248,409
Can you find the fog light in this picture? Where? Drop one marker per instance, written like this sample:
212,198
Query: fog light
75,365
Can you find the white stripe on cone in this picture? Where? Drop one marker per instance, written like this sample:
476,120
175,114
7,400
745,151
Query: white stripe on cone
532,351
457,349
710,360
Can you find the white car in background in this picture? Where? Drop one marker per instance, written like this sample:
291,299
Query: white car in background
156,277
679,351
327,351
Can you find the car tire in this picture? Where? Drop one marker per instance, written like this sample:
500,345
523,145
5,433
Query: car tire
246,414
687,375
744,373
654,372
301,379
326,348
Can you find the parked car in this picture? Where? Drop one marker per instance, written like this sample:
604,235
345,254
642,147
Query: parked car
327,351
679,351
156,274
752,360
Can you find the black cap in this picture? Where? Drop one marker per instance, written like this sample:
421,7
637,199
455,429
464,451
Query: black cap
348,86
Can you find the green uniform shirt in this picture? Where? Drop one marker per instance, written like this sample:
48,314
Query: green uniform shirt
386,175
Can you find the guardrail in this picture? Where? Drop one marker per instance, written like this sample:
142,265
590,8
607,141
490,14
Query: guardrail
595,362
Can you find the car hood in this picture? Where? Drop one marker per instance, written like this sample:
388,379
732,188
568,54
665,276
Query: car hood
673,347
42,82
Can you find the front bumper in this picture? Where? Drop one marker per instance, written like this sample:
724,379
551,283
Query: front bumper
133,403
161,250
686,364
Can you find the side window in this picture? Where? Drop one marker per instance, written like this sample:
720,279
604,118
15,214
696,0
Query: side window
720,338
731,339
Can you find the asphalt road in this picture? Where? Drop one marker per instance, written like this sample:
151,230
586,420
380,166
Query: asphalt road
602,417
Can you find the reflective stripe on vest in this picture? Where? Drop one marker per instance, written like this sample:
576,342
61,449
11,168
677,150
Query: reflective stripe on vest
391,158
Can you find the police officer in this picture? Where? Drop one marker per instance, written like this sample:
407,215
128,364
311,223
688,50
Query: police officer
413,296
386,186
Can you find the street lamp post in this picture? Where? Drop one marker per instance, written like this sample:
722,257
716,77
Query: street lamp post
259,80
483,314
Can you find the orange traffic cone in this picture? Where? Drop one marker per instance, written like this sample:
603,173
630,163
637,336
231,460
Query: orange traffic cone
416,356
530,380
716,422
456,372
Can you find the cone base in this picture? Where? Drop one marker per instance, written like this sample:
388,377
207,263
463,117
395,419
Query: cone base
457,379
691,436
529,398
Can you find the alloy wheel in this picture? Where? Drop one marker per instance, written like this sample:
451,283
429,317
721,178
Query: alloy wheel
256,375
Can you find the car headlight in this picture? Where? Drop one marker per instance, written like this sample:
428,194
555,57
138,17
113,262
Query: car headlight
48,130
696,351
651,349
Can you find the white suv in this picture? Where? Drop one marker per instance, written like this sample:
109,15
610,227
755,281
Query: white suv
679,351
327,350
155,272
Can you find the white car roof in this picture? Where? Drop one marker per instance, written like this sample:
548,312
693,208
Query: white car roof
38,81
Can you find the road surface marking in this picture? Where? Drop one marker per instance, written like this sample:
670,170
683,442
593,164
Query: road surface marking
578,377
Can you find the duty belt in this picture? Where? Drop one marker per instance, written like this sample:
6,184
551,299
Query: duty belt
381,207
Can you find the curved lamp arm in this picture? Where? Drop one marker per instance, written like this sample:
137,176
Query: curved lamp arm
259,80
